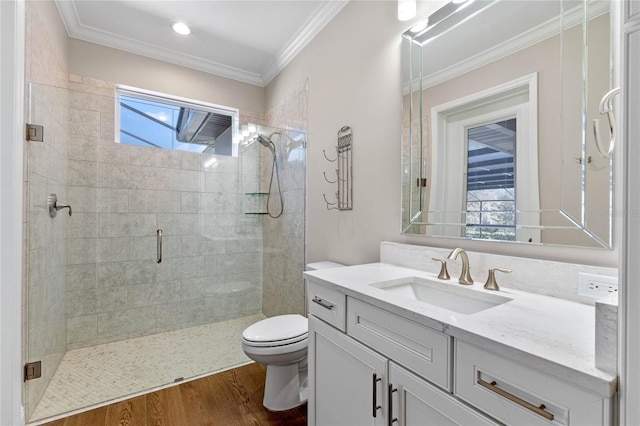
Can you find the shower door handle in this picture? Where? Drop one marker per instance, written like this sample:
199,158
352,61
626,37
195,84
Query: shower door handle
159,245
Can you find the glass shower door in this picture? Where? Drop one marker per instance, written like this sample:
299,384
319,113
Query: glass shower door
104,317
46,243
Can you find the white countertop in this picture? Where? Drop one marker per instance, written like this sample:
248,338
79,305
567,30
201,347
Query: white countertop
553,335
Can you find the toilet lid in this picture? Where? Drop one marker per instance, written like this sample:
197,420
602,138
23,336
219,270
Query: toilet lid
278,328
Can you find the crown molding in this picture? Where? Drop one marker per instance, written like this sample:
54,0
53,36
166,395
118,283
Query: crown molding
309,30
77,30
315,24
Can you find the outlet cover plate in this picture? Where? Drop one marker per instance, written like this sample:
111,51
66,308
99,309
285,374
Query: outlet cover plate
596,286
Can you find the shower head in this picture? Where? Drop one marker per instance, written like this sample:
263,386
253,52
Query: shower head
266,141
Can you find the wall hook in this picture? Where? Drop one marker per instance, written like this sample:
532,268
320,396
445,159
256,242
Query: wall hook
329,205
328,159
327,179
606,107
54,205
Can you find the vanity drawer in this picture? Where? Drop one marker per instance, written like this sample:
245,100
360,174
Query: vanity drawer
515,393
327,304
424,351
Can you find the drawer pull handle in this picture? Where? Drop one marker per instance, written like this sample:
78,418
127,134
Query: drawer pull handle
323,303
493,386
376,407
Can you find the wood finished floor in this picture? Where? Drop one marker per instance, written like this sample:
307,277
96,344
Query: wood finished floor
232,397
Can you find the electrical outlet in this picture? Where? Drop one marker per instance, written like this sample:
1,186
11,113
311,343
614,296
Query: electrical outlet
596,286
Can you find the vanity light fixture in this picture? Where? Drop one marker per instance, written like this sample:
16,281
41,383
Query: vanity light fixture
181,28
454,13
406,9
463,3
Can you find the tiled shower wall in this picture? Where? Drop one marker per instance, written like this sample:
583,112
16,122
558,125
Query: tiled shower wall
45,248
284,242
212,265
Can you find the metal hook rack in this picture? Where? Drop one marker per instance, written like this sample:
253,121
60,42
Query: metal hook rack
344,173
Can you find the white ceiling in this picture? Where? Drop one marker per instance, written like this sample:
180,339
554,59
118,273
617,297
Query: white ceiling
246,40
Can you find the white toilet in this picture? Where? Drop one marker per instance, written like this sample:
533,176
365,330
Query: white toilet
280,343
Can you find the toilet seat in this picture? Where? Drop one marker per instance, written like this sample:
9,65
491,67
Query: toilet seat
280,330
274,343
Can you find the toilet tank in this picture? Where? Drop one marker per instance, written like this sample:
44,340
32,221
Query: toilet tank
325,264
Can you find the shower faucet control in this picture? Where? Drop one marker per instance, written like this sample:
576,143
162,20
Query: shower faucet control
54,206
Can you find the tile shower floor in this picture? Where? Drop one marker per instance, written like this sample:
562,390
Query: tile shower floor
92,376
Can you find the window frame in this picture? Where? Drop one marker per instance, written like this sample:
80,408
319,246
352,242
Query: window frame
149,95
449,122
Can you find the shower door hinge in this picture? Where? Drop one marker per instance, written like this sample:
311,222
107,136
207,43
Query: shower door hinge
32,370
35,132
421,182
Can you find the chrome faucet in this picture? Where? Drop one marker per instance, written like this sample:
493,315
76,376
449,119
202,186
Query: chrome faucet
465,276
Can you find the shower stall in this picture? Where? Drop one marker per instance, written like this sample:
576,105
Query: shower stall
113,306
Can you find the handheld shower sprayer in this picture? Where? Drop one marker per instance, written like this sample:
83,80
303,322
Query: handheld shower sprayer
267,142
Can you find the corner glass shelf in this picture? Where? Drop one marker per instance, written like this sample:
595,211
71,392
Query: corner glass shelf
254,203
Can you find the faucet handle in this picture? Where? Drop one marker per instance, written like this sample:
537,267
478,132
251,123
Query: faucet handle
491,283
444,274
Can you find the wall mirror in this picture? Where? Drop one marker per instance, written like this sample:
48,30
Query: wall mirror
499,99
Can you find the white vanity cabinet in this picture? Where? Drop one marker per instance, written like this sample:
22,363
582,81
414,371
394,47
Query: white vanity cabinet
385,366
351,384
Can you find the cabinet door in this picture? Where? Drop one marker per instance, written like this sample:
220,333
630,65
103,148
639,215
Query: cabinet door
415,402
347,381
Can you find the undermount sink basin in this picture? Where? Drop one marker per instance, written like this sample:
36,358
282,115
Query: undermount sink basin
458,299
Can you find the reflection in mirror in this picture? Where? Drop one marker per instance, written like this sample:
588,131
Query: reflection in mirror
491,192
496,136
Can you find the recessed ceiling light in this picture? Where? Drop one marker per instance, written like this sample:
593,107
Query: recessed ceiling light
181,28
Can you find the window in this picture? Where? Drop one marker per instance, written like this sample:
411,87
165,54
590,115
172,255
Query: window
484,164
161,121
491,191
